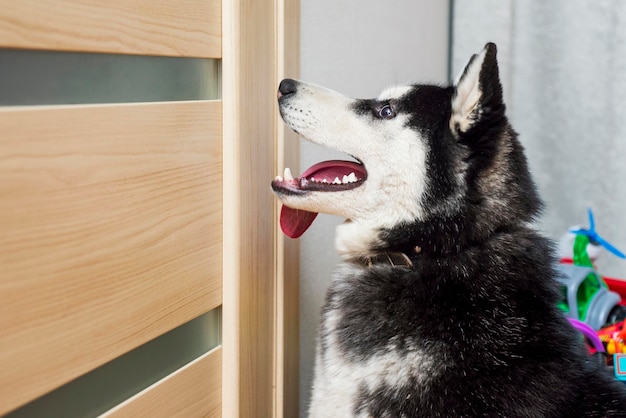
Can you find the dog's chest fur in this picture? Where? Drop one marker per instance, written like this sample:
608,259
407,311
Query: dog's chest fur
437,340
357,354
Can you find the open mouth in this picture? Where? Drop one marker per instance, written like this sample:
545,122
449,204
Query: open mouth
327,176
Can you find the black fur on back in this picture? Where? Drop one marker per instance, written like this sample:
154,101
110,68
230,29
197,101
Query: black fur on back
481,297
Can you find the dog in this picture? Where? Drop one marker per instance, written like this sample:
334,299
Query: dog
445,300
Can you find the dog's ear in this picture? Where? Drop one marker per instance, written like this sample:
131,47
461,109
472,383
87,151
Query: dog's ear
478,93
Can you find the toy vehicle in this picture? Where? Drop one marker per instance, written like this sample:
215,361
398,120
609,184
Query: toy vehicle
613,338
586,297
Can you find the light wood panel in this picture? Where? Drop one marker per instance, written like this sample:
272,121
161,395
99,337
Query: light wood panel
288,250
256,328
111,234
248,86
185,28
192,391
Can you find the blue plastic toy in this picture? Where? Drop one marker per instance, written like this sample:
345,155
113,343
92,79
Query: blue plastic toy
619,366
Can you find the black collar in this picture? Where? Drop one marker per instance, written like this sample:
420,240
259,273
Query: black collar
392,258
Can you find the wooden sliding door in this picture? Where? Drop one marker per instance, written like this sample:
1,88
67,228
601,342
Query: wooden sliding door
128,219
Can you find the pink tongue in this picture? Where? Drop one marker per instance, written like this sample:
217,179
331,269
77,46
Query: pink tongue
294,222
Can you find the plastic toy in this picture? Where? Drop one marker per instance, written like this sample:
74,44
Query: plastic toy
590,236
613,338
585,295
588,332
587,298
619,362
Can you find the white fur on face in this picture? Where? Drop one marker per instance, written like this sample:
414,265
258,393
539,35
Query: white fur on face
467,95
353,239
393,155
394,92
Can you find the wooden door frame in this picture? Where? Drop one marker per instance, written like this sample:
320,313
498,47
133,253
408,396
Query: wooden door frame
260,302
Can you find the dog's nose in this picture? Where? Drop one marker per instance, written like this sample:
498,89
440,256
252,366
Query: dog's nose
286,87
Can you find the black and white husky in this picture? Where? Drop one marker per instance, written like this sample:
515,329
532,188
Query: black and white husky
444,304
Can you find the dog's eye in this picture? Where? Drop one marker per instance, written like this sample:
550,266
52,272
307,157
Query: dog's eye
386,112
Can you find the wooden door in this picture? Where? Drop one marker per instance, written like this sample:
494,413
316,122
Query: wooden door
122,222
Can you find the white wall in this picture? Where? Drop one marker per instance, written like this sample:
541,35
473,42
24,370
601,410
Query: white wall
563,70
358,47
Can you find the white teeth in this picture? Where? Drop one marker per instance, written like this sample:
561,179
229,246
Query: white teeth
350,178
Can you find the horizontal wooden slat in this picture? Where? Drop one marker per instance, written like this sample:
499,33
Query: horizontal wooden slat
111,227
186,28
194,390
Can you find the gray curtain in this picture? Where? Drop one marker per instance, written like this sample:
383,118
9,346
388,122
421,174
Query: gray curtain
563,68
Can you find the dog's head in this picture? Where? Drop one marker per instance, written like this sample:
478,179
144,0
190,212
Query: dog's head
428,162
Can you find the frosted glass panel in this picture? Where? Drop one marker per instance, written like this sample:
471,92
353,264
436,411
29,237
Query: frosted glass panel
116,381
44,77
29,78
